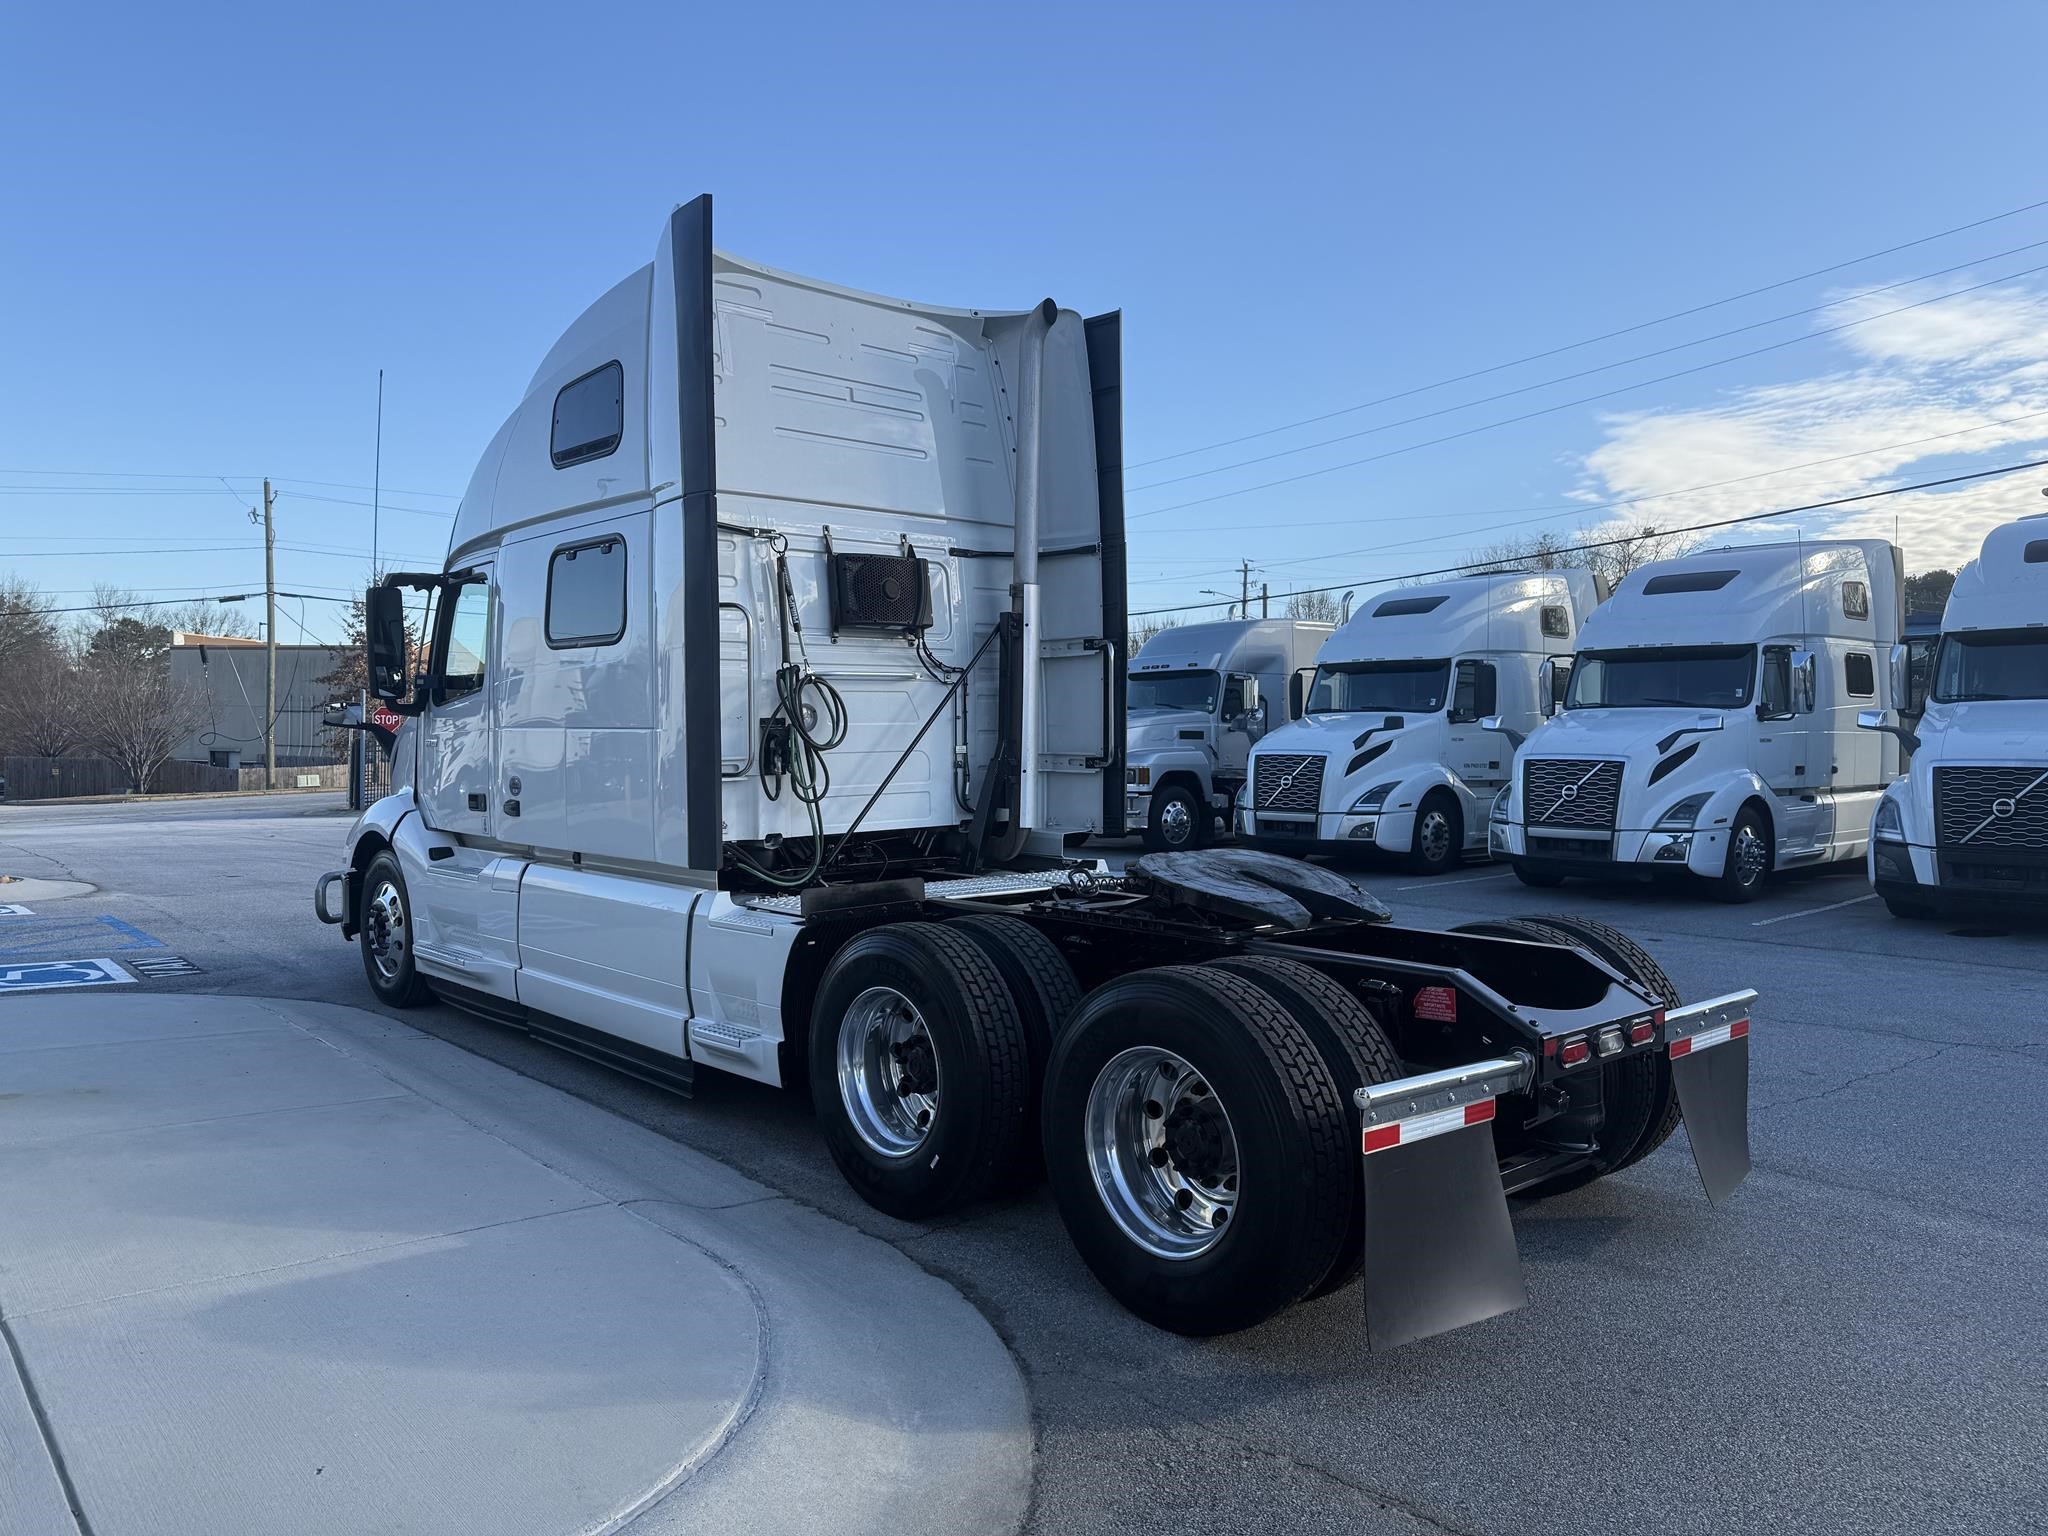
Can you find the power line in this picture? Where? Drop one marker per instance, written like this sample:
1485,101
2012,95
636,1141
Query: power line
1726,522
1573,346
1565,405
1581,509
1640,357
129,474
17,613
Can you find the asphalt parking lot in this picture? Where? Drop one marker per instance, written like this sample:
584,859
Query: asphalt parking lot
1853,1343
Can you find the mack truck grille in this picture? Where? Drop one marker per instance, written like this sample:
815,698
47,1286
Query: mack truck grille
1570,792
1287,781
1991,808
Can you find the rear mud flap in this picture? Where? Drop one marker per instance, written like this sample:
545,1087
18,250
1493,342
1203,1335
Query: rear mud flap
1709,1048
1439,1248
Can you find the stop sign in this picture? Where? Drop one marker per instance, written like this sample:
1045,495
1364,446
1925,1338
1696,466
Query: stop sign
385,718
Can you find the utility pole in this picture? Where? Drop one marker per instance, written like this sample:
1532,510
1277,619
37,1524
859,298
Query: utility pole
1265,600
269,639
1244,600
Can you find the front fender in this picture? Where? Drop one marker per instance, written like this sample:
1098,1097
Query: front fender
378,822
1193,764
1731,790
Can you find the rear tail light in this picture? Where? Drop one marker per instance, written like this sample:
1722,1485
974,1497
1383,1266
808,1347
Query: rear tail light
1574,1051
1639,1034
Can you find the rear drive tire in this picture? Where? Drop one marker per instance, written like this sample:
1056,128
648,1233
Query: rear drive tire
1535,876
1439,835
1354,1048
1178,821
385,936
1043,987
920,1070
1748,867
1637,1092
1144,1146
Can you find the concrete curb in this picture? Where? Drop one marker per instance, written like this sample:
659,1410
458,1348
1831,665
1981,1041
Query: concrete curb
878,1398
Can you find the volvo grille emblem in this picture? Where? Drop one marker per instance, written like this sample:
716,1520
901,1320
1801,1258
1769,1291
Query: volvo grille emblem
2004,808
1289,779
1569,792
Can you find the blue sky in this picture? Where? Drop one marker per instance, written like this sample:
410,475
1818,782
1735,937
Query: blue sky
220,222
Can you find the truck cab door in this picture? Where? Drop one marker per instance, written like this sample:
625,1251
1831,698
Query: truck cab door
457,742
1234,741
1784,757
1478,757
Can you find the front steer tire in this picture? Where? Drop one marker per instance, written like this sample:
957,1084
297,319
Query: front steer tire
385,935
1295,1162
974,1050
1439,839
1179,820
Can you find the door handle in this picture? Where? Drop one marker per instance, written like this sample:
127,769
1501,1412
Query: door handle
511,807
478,802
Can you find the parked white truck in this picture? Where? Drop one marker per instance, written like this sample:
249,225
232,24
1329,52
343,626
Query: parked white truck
1968,824
1200,696
775,656
1710,722
1411,718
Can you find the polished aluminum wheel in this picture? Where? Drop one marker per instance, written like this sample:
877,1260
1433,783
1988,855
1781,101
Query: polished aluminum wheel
1433,835
1751,855
386,933
1176,822
888,1072
1162,1153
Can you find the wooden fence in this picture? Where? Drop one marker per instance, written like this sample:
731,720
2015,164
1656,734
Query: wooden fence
57,778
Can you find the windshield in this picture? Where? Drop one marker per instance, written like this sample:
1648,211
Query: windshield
1173,690
1384,687
1992,664
1685,677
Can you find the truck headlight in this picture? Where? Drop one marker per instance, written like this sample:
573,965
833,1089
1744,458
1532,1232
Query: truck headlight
1142,777
1889,825
1375,797
1682,815
1499,813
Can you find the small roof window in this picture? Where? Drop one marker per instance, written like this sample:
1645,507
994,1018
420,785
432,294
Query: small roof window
1688,581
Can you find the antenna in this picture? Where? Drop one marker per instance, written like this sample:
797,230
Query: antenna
377,481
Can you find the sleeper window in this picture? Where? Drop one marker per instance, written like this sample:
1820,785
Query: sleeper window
587,593
590,416
1855,600
1861,675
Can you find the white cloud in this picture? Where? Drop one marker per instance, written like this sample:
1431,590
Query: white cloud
1942,387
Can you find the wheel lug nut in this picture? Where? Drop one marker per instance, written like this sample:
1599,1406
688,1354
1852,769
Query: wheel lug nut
924,1119
1219,1218
1184,1198
1199,1090
1159,1157
1152,1109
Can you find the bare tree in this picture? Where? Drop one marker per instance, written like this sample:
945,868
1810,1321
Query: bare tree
1610,552
206,617
26,623
131,710
1142,632
1318,607
39,712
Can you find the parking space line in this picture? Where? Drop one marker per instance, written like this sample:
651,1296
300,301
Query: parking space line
1836,906
1439,884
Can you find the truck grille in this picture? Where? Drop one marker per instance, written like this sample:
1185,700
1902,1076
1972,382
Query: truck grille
1287,781
1570,792
1991,808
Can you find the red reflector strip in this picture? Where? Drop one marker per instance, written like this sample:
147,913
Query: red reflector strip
1421,1127
1720,1034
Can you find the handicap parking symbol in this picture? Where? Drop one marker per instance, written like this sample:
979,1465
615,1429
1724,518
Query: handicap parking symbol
35,975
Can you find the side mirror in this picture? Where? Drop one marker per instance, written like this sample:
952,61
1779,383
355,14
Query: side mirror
1255,721
1495,723
384,645
1873,720
1491,723
1805,682
1553,675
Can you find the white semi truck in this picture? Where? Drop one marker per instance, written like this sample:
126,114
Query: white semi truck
1710,722
1200,696
1968,824
776,654
1412,717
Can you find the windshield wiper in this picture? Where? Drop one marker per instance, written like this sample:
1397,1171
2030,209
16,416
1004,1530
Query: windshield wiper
1975,698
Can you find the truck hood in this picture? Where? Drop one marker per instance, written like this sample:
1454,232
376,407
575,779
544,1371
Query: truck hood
1629,733
1155,730
1334,732
1990,731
